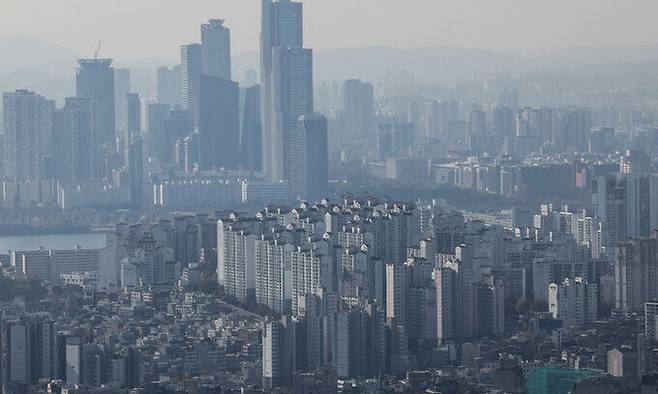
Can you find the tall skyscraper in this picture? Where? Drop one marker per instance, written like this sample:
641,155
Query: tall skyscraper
292,97
359,110
76,141
219,129
121,89
95,80
134,113
21,138
309,166
136,169
157,113
133,107
46,109
169,85
190,79
282,60
251,144
216,49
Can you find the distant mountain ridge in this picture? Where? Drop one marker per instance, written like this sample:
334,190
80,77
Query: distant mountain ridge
49,68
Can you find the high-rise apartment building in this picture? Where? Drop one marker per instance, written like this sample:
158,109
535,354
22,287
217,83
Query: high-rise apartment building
575,302
447,287
76,141
21,135
636,273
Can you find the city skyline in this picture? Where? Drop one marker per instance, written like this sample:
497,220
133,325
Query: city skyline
370,220
478,24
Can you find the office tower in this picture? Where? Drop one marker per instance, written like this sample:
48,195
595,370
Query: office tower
157,113
251,146
281,50
178,125
624,203
136,169
46,110
122,87
309,159
575,302
95,80
216,49
133,107
21,137
190,79
278,352
76,141
169,85
134,113
359,110
28,345
636,270
219,128
292,95
73,361
85,363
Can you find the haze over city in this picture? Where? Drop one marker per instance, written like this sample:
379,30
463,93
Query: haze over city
324,197
132,30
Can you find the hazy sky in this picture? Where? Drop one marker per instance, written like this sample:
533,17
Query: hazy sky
133,29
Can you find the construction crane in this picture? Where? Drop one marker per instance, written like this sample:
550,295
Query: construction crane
98,50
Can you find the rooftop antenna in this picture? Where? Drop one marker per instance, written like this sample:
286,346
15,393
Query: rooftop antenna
98,50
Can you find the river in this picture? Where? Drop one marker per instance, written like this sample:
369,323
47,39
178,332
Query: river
95,240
